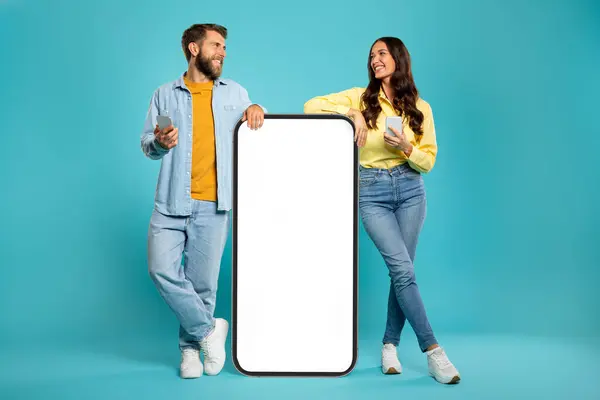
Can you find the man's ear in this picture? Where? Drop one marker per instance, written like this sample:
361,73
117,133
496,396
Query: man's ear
194,49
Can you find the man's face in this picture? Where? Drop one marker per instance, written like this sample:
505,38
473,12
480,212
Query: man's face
212,53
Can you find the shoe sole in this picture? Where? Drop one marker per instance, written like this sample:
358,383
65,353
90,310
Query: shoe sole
193,376
214,373
392,371
453,381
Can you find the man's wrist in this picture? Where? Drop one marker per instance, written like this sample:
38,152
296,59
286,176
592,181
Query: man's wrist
159,146
264,110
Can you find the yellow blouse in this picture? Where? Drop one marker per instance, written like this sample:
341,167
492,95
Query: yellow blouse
376,153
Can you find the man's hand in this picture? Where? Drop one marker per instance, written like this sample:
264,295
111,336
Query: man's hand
255,116
399,141
167,138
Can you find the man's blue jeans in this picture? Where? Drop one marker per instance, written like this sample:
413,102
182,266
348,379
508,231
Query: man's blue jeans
189,290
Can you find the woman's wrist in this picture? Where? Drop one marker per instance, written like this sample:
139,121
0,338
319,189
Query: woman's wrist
352,113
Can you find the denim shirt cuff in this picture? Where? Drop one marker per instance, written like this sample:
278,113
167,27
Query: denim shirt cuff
159,149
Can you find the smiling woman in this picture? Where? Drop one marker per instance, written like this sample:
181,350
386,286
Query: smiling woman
392,192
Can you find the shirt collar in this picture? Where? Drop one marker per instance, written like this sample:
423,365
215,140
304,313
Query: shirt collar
179,83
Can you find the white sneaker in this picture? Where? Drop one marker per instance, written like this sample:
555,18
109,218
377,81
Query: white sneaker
440,367
213,348
389,360
191,367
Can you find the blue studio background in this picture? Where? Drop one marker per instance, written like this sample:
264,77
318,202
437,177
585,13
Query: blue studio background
507,263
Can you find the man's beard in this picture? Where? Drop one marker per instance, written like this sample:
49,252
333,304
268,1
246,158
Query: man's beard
206,67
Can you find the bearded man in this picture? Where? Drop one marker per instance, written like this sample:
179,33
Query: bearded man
193,197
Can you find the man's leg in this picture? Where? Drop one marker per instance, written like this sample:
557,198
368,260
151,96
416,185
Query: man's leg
166,243
207,231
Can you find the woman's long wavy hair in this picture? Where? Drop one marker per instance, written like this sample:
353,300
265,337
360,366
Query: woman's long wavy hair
405,90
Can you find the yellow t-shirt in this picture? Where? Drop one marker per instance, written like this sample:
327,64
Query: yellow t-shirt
376,153
204,167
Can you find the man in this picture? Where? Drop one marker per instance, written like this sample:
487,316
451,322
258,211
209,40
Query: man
193,194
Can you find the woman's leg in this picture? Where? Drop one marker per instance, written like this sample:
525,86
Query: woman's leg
383,228
385,199
410,216
393,208
410,229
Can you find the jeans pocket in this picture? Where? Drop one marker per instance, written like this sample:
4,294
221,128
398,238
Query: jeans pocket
367,178
364,182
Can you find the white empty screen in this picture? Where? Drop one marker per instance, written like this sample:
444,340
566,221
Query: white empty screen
294,245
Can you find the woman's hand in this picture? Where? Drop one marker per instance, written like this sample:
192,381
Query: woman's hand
360,135
398,141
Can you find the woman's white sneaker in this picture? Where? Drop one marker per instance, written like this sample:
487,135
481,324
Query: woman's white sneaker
390,364
190,367
440,366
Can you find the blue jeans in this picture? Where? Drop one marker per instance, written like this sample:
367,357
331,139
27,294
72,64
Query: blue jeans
191,291
393,207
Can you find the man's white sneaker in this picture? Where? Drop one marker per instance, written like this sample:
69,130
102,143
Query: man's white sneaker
213,348
389,360
440,367
191,367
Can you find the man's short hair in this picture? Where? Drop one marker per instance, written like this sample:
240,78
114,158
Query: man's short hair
197,33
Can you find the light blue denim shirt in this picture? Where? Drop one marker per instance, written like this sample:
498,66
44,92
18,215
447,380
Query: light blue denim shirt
229,101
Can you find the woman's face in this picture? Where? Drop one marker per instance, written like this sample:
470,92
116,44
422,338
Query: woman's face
382,62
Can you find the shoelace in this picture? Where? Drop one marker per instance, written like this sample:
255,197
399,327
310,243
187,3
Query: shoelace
440,359
206,349
390,355
190,353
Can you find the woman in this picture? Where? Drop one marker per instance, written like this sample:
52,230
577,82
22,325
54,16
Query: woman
392,193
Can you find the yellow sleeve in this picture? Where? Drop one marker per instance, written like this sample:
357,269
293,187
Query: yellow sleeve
423,155
337,103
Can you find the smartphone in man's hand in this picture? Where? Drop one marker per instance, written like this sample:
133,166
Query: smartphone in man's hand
163,122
